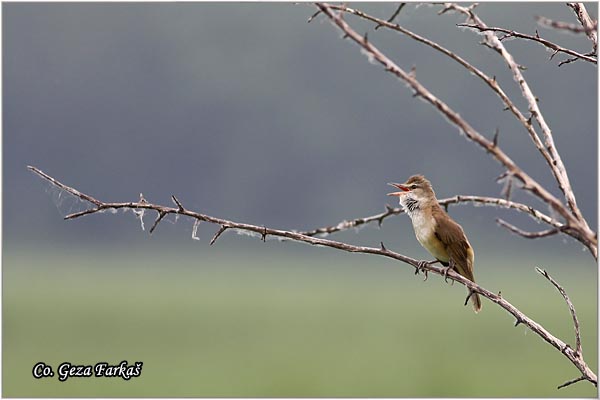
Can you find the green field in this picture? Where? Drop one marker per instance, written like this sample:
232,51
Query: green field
265,324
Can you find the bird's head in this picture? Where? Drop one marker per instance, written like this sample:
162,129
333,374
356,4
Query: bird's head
416,188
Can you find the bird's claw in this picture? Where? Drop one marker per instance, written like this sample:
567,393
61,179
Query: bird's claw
446,270
421,267
450,266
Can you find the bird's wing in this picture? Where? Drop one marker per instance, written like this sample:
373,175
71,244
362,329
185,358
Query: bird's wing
457,246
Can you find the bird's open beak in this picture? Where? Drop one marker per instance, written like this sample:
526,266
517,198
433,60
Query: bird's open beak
403,189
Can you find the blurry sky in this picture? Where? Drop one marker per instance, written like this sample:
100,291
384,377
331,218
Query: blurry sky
245,111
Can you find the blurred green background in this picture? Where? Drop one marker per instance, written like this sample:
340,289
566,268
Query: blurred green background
275,322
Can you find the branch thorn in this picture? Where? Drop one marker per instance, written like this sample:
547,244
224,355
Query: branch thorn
159,217
495,140
222,229
313,16
572,381
177,203
264,234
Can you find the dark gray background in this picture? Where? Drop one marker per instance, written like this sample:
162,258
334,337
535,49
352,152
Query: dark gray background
247,112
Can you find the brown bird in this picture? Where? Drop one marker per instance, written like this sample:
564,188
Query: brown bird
439,234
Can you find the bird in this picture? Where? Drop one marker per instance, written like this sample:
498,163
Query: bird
439,234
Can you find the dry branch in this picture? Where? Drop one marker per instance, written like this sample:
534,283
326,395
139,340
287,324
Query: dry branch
526,234
490,81
394,15
547,150
584,234
459,199
574,224
588,24
560,25
578,348
553,46
573,215
573,356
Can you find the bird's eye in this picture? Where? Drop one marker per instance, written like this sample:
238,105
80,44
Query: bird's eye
413,186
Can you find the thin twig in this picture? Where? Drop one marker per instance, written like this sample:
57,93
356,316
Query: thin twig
64,187
526,234
578,349
573,59
394,15
570,354
572,381
560,25
177,203
547,43
312,17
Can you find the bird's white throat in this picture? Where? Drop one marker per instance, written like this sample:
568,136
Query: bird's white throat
410,205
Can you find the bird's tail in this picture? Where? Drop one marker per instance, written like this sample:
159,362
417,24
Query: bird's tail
476,302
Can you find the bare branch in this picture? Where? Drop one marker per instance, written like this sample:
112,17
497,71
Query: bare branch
588,24
537,38
573,59
525,234
574,357
491,82
82,213
578,349
560,25
390,211
63,187
572,381
575,218
557,167
586,235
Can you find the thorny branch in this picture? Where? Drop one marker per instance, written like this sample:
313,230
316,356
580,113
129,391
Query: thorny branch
574,356
562,291
578,349
571,214
553,46
525,234
574,217
490,81
394,15
574,225
459,199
